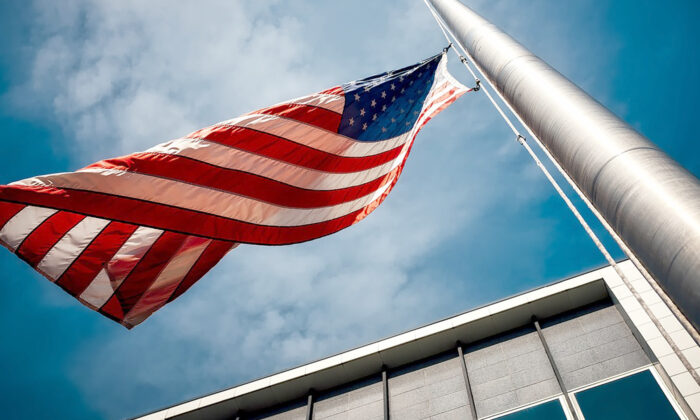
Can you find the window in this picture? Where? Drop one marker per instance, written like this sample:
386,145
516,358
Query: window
551,410
635,397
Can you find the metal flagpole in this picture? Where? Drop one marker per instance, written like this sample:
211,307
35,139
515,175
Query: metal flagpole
651,203
686,363
652,283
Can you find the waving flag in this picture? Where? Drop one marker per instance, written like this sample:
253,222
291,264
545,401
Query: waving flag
127,235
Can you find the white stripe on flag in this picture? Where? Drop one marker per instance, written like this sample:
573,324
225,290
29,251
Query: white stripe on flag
98,291
70,246
193,197
315,137
434,106
169,278
102,286
335,103
297,176
22,224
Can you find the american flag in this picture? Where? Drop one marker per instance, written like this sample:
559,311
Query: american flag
127,235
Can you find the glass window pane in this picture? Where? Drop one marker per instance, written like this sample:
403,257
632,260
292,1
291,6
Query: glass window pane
635,397
550,410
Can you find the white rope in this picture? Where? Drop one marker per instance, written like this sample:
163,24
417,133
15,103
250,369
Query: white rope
445,30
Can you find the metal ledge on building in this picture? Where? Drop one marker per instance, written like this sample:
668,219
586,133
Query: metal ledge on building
402,349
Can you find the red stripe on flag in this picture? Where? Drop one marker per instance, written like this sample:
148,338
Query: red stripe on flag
285,150
366,210
8,210
444,97
316,116
95,256
209,258
162,288
171,218
147,270
46,235
338,90
239,182
113,309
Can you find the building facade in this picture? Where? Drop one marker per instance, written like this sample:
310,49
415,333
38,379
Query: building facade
581,348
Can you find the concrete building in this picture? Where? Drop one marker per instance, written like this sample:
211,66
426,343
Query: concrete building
580,348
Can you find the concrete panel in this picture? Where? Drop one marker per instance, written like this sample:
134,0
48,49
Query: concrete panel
428,389
361,400
509,371
592,344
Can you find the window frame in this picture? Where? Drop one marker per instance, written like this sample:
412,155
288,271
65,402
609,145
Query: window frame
558,397
577,408
654,372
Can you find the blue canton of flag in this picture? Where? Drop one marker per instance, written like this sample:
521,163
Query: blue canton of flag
388,104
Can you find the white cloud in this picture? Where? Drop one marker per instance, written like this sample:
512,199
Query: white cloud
121,76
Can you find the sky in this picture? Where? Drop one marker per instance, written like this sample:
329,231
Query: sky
471,220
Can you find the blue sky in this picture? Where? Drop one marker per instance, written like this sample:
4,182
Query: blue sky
471,221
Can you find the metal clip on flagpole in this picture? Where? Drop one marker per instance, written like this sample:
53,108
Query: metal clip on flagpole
603,250
477,82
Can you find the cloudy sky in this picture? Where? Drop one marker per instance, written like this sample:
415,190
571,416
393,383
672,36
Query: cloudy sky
471,221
